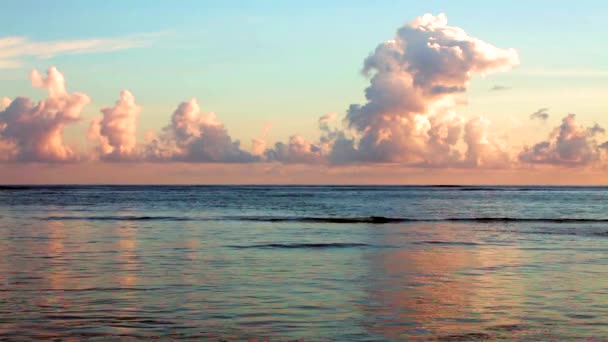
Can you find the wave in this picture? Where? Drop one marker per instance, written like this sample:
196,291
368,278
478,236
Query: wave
14,187
383,219
326,219
514,219
303,245
315,219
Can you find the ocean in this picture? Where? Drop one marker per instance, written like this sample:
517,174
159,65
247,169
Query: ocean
313,263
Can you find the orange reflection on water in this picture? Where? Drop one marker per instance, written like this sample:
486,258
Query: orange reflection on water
126,274
126,247
57,272
442,289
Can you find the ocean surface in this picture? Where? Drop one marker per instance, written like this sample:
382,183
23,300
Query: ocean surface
317,263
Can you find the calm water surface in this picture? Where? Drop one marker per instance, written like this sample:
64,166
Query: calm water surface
312,263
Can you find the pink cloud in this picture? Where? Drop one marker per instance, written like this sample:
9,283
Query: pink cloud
193,136
417,79
408,118
35,131
116,130
483,148
570,144
4,102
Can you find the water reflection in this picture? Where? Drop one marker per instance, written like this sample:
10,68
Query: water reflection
126,255
53,267
140,279
441,289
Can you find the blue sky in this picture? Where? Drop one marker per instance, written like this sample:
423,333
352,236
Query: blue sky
285,63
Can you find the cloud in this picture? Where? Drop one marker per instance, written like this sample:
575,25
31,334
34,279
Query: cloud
258,145
595,129
416,81
482,148
4,102
116,130
541,114
15,50
195,137
570,144
300,151
35,131
499,88
328,118
296,151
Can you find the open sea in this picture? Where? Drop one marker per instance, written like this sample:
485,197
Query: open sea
313,263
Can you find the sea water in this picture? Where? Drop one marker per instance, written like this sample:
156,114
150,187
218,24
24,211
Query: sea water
319,263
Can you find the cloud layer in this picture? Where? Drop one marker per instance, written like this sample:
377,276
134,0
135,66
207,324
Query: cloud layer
417,80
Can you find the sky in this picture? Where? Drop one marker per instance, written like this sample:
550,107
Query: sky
397,92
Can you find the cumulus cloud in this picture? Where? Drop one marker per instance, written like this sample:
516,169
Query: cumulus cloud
328,118
596,129
482,148
258,145
296,150
416,81
541,114
300,151
34,132
14,50
116,130
570,144
4,102
193,136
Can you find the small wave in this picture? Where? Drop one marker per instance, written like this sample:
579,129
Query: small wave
330,219
116,218
314,219
383,219
303,245
499,189
14,187
514,219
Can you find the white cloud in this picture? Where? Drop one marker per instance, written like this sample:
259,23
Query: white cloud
15,50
